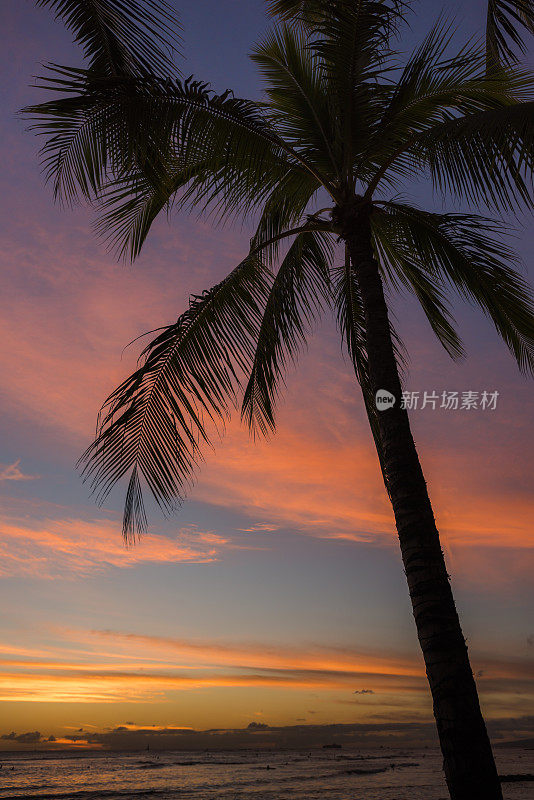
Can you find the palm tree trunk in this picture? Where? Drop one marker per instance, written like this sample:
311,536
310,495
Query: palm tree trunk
468,760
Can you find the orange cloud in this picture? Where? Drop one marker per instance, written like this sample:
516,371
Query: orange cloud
79,547
146,668
325,481
73,743
329,487
86,687
260,656
142,669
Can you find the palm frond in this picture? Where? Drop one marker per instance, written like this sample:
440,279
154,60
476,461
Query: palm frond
506,24
114,129
129,207
310,11
155,423
285,207
401,265
485,157
353,43
97,129
350,43
298,98
435,104
353,38
122,37
467,252
298,294
428,85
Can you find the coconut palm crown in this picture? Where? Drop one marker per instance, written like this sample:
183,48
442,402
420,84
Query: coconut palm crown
318,164
341,129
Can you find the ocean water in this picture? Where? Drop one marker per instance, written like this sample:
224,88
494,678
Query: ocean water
384,774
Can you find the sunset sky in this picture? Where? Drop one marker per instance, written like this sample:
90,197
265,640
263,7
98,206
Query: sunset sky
276,595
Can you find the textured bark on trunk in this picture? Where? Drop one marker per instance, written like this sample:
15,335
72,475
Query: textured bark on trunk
468,760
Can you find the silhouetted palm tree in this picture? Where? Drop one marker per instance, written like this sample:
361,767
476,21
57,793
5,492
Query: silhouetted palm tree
319,164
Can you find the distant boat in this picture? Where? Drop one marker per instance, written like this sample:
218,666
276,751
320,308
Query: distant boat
332,746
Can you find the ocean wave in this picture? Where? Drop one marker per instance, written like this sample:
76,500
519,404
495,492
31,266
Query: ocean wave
93,794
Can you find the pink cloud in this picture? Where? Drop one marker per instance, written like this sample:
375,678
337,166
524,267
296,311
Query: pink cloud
68,310
260,527
13,472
